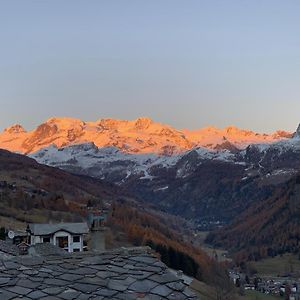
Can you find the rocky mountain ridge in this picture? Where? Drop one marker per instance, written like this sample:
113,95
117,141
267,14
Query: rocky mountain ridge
142,135
201,184
162,166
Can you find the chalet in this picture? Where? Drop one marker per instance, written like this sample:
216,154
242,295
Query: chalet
68,236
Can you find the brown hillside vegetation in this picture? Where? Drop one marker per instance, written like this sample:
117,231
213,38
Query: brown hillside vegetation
267,228
144,227
33,192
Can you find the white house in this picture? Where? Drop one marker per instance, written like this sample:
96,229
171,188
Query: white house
68,236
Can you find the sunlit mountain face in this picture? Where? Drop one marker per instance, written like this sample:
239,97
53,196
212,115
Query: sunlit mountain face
208,175
142,135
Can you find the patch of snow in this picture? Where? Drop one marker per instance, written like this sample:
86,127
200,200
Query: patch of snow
161,189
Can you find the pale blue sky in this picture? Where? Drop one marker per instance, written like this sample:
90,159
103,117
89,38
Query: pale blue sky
187,63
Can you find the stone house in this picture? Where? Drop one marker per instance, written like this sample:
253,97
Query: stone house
68,236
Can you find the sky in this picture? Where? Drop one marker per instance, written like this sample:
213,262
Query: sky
189,64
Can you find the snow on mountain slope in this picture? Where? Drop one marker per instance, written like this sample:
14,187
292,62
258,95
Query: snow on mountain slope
142,135
137,136
105,162
280,146
196,182
210,137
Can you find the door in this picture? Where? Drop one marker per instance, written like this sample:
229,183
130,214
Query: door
62,242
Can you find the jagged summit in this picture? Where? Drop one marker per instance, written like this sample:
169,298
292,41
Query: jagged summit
141,135
64,122
143,123
16,128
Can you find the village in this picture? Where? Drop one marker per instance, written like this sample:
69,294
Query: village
287,287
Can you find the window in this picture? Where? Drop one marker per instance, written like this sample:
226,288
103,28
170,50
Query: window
46,239
76,239
76,250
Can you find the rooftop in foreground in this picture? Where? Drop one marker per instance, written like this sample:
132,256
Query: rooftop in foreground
128,273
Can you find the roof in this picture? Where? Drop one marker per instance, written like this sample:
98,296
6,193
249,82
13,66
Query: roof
46,229
120,274
20,233
46,249
8,248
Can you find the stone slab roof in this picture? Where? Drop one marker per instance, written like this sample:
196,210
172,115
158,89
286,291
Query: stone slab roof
128,273
8,248
46,249
46,229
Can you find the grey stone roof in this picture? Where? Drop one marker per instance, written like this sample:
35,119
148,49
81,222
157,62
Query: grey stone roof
46,249
46,229
131,273
8,248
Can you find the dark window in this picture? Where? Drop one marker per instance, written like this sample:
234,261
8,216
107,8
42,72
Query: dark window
46,240
76,250
76,239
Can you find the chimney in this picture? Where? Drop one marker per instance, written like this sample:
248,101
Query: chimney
179,273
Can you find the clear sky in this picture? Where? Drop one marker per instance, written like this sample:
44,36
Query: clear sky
189,63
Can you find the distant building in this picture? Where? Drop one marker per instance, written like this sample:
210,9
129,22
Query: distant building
294,296
249,287
234,276
23,248
68,236
295,293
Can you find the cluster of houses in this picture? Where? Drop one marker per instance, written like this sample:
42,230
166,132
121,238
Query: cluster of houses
280,286
276,286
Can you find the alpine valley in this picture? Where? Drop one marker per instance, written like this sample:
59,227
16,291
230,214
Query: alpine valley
208,176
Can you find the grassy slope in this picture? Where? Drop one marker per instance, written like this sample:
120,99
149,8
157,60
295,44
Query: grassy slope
206,292
277,265
254,295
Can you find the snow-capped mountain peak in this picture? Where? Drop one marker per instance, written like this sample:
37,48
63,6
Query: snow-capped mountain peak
15,129
142,135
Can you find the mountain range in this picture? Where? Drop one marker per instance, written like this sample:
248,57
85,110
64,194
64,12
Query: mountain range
142,135
32,192
209,175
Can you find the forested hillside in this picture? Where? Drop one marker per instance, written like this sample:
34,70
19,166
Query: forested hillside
32,192
267,228
37,193
165,235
